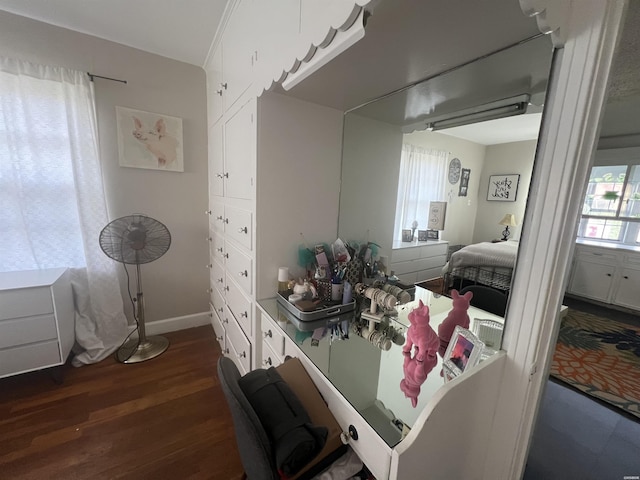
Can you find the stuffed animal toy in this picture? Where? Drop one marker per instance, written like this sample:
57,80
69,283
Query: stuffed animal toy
417,366
457,316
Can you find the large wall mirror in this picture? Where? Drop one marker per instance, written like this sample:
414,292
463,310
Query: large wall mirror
476,125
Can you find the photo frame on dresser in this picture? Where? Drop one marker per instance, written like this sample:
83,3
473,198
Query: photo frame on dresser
464,351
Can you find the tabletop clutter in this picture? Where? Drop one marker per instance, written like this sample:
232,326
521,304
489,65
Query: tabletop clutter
341,277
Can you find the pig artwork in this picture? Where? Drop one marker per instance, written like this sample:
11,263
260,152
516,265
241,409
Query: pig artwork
157,141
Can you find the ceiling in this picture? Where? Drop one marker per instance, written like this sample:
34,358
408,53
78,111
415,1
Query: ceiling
181,30
414,40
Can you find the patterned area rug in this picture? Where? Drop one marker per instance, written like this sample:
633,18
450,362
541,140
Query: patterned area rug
600,357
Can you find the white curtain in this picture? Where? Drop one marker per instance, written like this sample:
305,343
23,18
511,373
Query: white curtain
422,180
52,196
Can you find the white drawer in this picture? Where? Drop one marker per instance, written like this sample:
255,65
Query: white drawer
418,265
218,277
218,329
231,353
596,254
434,250
217,302
21,331
238,341
29,357
240,307
238,266
217,219
239,226
630,259
25,302
272,335
269,358
216,247
405,254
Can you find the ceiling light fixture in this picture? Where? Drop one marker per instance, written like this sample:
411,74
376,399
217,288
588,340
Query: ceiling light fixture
507,107
341,42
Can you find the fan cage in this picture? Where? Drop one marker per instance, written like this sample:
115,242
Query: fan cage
135,239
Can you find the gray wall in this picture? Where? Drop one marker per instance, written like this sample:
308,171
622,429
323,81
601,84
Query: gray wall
175,285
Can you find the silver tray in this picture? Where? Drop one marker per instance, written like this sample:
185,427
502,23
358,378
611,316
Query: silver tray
318,314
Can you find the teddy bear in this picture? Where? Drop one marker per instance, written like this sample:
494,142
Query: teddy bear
457,316
423,359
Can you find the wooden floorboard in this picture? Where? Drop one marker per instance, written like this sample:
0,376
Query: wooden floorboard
163,418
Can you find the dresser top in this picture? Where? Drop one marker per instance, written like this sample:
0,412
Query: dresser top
30,278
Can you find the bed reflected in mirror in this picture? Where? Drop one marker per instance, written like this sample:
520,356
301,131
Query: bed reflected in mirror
464,141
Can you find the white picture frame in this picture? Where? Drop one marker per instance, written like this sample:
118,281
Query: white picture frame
463,352
149,140
503,188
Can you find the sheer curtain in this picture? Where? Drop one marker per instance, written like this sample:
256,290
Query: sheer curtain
52,196
422,180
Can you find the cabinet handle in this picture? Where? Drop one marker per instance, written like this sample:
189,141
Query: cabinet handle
626,277
220,338
220,280
225,255
268,333
219,217
242,355
224,85
209,290
226,220
209,265
226,351
226,288
221,309
219,249
226,320
244,314
243,230
209,238
244,274
267,362
219,92
608,274
225,175
345,437
219,175
207,212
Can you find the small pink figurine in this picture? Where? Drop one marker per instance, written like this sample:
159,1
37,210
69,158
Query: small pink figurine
457,316
417,366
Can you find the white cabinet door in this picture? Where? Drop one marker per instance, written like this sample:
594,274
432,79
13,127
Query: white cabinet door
240,152
216,160
238,53
215,88
592,279
628,292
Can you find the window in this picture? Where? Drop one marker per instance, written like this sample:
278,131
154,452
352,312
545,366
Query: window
422,180
611,209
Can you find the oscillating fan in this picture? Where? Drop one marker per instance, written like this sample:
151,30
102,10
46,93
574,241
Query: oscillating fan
134,240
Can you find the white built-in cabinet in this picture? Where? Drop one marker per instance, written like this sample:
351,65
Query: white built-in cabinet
607,275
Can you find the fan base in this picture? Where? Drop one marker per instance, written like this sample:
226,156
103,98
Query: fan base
131,352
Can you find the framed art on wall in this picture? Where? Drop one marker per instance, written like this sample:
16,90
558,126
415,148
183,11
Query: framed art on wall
149,140
503,188
464,182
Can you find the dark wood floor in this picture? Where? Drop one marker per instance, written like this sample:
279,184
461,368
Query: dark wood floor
164,418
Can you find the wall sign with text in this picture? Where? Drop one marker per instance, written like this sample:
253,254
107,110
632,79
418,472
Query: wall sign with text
503,188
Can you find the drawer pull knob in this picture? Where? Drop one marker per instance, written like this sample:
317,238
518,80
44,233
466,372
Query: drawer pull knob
207,212
227,288
219,92
267,362
226,351
226,220
219,249
242,355
209,265
626,277
220,338
226,320
209,238
244,273
225,255
608,274
223,85
243,230
219,217
244,314
209,290
268,333
345,437
220,309
220,280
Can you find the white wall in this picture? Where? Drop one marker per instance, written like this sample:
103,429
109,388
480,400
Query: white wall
506,158
176,284
461,211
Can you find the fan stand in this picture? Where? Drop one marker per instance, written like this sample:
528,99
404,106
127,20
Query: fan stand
143,348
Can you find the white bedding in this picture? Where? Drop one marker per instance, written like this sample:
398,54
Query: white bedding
499,254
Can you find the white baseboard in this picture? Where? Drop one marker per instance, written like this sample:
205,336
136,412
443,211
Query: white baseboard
177,323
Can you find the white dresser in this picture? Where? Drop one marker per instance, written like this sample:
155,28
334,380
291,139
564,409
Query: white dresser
418,261
36,320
